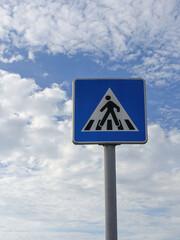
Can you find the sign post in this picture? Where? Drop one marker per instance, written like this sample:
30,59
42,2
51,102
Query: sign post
110,192
109,112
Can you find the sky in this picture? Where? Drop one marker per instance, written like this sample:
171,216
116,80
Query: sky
50,188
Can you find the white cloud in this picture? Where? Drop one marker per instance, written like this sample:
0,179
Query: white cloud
31,56
171,114
6,57
53,189
117,29
45,74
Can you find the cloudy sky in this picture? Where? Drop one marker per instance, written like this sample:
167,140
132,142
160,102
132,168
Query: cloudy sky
51,189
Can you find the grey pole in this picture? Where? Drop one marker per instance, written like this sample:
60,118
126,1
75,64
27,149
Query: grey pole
110,192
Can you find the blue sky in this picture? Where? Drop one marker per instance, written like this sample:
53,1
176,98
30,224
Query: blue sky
50,188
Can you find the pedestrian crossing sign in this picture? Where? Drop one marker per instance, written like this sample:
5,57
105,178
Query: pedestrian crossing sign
109,111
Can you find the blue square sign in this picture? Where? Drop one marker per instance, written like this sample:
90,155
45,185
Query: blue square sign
109,111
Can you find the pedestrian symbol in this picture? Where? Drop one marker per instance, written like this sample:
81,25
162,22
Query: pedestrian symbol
110,110
109,115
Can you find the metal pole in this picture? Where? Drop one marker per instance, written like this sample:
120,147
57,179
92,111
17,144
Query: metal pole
110,192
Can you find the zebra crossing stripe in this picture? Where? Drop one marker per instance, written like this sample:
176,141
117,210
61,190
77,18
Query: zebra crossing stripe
89,125
120,126
108,125
98,127
130,126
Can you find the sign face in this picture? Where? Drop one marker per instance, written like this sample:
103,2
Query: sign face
109,111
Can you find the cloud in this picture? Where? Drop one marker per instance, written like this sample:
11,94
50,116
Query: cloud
148,179
51,188
170,114
7,57
138,35
45,74
31,56
25,106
